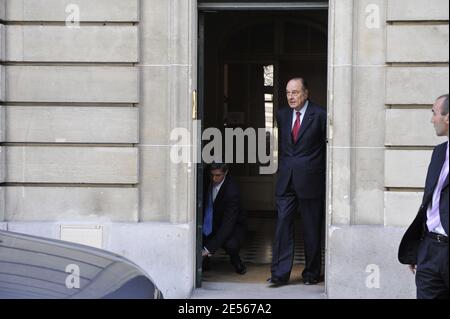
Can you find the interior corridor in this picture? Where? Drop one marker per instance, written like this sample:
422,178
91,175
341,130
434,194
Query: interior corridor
257,255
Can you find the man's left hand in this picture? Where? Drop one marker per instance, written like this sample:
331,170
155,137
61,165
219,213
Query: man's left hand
205,253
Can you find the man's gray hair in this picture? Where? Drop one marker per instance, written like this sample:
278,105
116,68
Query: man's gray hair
444,110
302,81
222,166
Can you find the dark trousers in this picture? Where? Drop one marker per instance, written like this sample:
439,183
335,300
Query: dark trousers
312,213
232,247
432,270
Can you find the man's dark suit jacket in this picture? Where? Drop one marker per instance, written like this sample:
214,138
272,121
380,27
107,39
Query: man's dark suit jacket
304,161
229,219
410,242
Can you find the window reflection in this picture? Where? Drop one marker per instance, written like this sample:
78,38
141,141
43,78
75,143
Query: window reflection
268,75
269,109
268,96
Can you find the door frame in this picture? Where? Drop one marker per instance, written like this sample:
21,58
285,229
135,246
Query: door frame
210,8
261,6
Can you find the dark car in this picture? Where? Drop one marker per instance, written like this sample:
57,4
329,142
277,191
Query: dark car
39,268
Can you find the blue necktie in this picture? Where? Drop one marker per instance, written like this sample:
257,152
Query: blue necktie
207,222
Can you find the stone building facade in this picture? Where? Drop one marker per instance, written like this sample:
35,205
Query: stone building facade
87,110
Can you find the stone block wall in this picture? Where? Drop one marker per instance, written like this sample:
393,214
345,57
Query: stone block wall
2,109
95,88
388,63
72,110
417,56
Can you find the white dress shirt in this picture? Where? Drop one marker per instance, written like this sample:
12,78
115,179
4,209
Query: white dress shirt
302,115
444,171
216,189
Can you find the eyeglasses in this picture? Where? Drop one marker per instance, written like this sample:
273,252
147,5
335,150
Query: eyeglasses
294,93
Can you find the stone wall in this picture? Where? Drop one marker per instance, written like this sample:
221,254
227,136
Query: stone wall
72,110
417,56
388,62
95,88
168,73
2,110
86,117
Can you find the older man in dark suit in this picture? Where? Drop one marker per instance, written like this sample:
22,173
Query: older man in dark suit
224,220
301,183
425,244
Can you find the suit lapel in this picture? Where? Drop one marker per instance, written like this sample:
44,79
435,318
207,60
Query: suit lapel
288,131
429,196
437,167
221,192
307,120
445,183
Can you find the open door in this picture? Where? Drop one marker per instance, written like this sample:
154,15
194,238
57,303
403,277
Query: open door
246,56
200,166
250,101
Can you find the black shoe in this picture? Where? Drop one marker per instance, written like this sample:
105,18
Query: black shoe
240,268
238,265
310,281
277,282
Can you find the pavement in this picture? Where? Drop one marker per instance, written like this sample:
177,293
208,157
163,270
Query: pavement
229,290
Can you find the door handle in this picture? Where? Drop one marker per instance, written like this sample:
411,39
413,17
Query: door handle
194,104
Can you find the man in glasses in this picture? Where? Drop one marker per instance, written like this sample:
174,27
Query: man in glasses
300,184
224,221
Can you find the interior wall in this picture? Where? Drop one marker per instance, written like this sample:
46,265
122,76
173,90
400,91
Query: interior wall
237,46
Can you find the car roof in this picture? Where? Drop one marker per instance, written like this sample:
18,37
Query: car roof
35,267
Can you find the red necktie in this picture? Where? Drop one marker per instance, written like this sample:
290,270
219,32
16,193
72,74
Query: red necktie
296,129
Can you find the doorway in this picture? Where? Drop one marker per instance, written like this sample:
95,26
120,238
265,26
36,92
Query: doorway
246,58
